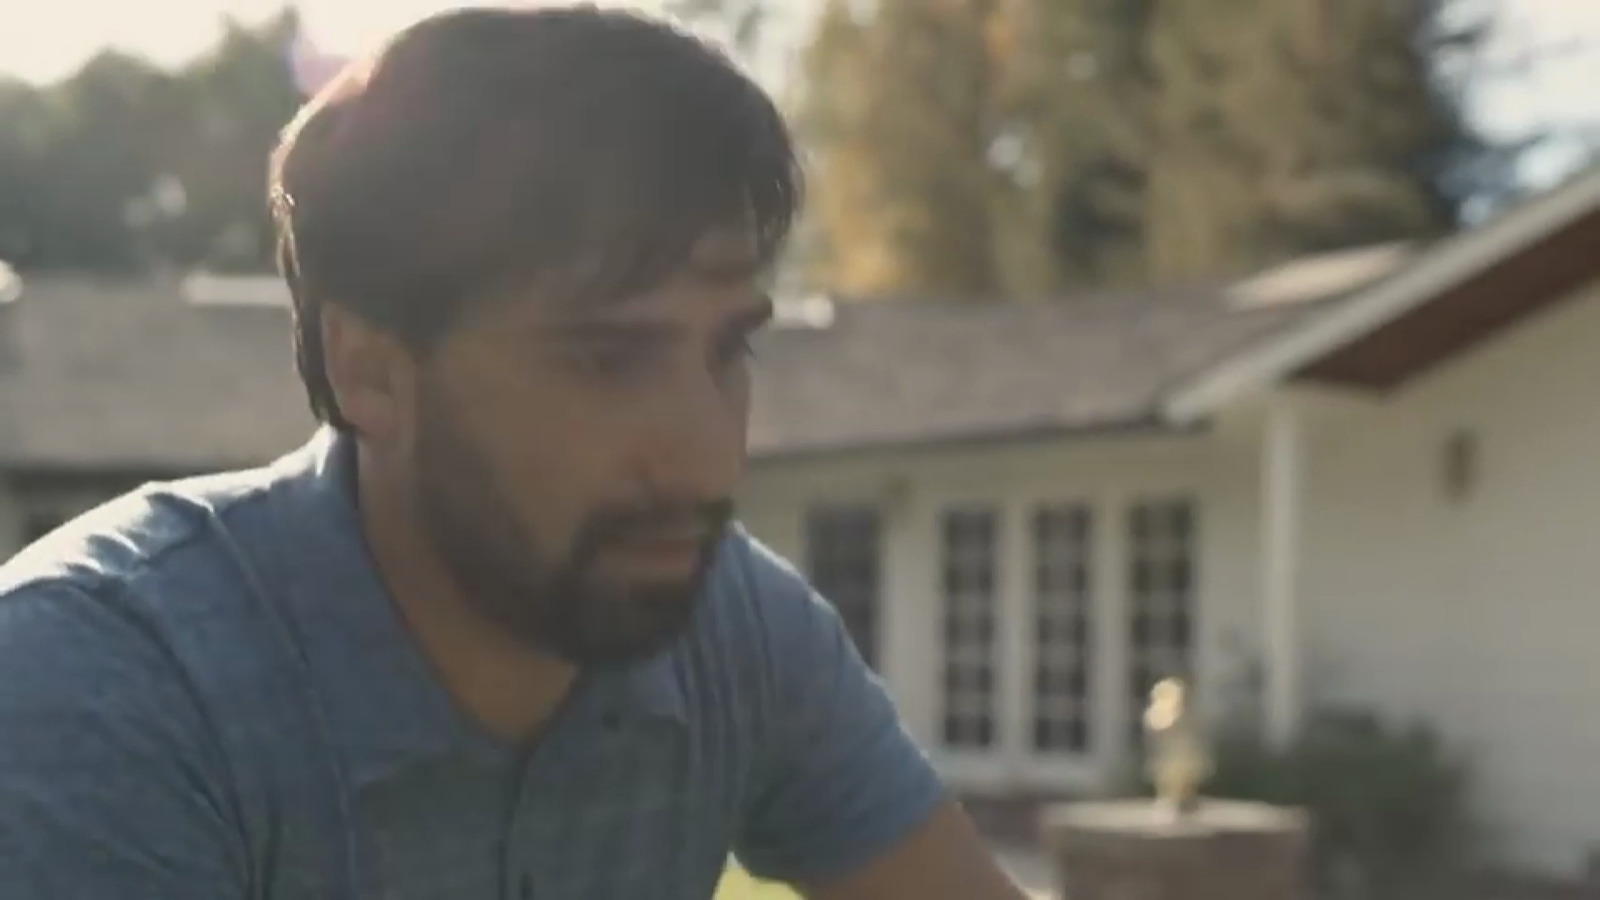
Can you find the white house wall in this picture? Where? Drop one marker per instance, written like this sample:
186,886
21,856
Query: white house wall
913,488
1480,613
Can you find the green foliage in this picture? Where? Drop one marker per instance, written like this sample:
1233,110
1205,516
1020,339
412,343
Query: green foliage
740,21
124,164
901,113
1019,147
737,884
1390,805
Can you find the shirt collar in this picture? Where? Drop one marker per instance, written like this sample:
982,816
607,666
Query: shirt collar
652,689
384,706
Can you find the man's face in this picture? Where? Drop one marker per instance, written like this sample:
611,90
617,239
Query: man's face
574,464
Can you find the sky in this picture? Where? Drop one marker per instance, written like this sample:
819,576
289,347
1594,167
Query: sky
43,40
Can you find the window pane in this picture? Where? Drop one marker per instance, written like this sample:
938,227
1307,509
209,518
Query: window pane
1162,583
1063,617
969,546
843,563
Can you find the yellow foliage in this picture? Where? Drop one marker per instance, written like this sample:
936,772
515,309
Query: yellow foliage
739,885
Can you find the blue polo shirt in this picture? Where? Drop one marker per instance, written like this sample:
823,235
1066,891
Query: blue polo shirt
206,694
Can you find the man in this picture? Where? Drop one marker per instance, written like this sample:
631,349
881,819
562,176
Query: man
491,634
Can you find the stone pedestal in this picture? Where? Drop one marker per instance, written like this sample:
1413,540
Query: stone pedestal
1137,850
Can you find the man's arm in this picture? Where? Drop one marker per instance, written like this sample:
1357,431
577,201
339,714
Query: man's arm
847,806
108,782
945,859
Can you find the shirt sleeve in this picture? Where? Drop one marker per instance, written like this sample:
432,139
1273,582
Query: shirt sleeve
108,789
842,782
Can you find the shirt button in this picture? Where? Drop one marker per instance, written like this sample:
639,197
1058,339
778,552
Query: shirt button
525,887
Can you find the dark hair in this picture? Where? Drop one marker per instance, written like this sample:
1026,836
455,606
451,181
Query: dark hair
583,149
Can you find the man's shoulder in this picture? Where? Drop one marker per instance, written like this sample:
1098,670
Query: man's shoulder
752,590
137,677
144,566
760,623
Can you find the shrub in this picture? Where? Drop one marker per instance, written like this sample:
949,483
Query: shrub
1389,805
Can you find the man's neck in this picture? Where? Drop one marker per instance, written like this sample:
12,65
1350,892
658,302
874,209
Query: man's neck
510,689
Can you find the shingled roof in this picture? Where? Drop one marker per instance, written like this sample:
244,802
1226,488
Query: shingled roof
890,374
98,375
118,375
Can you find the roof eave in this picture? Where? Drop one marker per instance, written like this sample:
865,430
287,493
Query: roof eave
1454,261
1149,425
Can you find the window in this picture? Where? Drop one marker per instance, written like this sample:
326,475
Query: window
1063,628
1161,595
969,541
842,561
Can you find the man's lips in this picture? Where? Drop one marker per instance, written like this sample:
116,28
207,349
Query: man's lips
674,552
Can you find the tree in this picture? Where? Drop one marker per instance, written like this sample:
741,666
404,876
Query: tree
903,119
741,22
84,151
1082,89
123,164
25,137
1298,126
240,96
1025,146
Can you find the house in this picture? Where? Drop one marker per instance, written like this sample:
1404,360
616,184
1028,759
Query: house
106,384
1372,477
1364,477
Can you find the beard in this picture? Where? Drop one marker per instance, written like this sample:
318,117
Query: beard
558,603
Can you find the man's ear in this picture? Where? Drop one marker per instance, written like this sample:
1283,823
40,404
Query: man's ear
371,372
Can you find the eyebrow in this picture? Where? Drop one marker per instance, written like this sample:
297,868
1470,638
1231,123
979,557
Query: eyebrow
752,318
726,270
639,331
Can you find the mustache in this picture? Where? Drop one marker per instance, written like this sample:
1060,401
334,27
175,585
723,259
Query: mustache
705,517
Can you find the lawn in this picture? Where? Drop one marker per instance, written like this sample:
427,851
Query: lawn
739,885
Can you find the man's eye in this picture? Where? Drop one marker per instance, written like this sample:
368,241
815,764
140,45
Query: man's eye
607,363
737,348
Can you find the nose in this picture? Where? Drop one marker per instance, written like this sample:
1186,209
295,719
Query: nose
696,448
